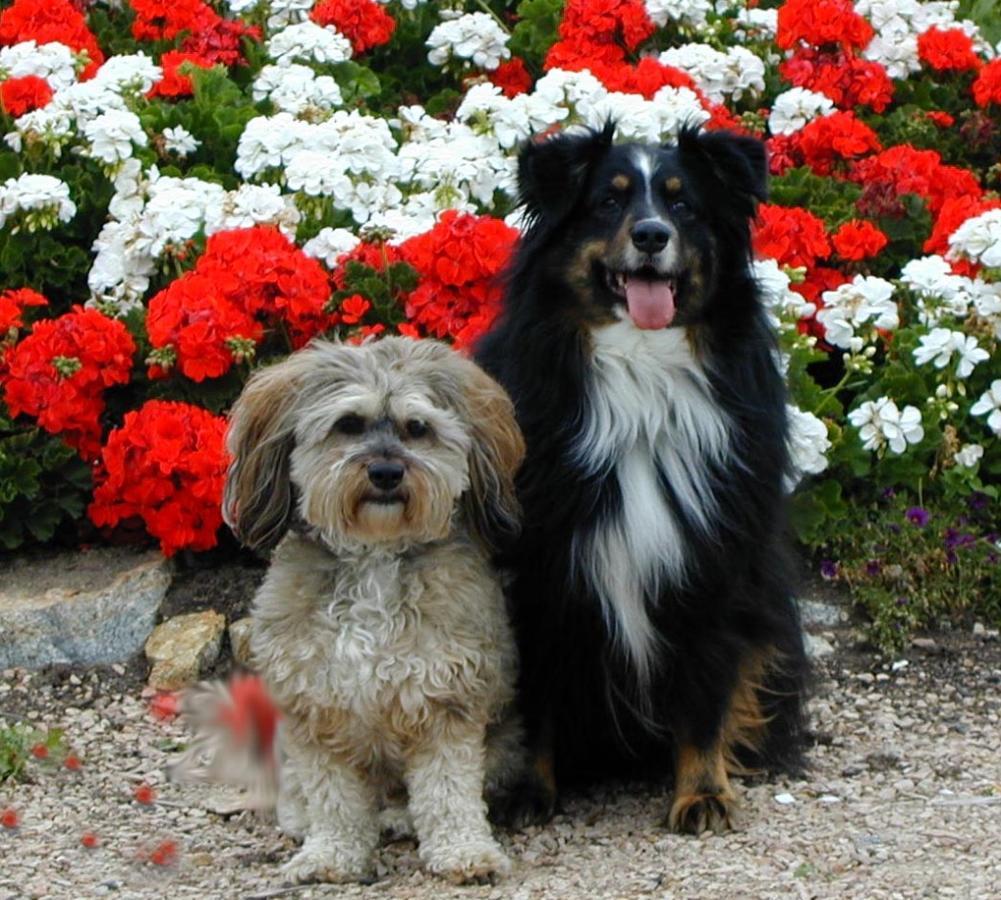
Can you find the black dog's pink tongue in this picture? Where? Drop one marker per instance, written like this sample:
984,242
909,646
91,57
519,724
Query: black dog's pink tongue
650,303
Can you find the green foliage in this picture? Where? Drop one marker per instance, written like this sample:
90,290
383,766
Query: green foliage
831,199
906,573
384,288
44,485
536,31
987,15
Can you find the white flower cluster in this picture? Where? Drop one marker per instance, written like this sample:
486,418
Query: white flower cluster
723,76
330,245
755,22
940,345
308,42
898,23
349,158
968,456
151,213
112,134
941,294
989,405
180,141
38,201
865,300
794,108
979,239
297,89
53,61
808,445
477,37
691,12
880,424
73,108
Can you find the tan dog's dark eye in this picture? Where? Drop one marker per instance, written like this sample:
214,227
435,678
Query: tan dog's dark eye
415,428
350,424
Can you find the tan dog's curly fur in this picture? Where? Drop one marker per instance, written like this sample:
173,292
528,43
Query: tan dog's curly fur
380,630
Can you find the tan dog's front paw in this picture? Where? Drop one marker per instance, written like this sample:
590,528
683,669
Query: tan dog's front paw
471,864
324,864
696,813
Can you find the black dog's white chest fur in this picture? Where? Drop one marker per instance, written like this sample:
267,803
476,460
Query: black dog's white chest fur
652,424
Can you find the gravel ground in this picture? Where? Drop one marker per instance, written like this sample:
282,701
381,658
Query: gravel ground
903,800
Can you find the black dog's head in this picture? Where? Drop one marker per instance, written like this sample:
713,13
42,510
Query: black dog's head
645,228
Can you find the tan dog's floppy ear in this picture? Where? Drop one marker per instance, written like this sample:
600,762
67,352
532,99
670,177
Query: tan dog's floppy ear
257,501
491,505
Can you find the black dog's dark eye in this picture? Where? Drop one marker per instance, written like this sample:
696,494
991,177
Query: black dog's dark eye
677,206
349,424
415,428
611,203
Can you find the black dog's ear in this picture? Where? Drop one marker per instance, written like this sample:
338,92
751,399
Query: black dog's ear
739,163
552,172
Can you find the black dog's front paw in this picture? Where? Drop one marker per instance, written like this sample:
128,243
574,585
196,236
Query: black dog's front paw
531,800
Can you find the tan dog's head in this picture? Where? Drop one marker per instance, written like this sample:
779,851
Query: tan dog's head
388,442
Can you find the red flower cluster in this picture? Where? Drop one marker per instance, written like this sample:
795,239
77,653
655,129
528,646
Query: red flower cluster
790,235
173,83
59,373
512,77
459,260
847,79
46,21
212,315
220,41
947,50
167,465
363,22
12,305
21,95
825,141
159,20
987,87
858,239
955,212
194,317
820,22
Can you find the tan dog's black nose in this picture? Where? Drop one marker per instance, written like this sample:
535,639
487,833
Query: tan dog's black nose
385,475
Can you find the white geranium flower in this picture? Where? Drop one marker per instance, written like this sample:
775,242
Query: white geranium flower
969,455
939,346
52,61
250,205
42,199
309,42
692,12
940,293
979,239
280,12
330,245
294,88
475,36
783,303
180,141
722,75
808,444
881,424
989,405
865,300
792,110
112,134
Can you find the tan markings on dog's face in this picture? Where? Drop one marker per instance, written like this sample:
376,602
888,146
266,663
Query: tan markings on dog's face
673,185
621,182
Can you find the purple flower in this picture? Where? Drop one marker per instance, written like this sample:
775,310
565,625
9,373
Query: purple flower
873,568
978,500
889,493
917,515
956,539
828,569
902,601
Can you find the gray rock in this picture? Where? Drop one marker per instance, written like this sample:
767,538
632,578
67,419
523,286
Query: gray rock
239,640
183,647
818,614
817,646
80,607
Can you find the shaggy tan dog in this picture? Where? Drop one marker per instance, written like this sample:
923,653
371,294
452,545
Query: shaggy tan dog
383,473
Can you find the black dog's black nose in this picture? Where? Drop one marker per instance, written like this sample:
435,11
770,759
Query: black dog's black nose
650,236
385,475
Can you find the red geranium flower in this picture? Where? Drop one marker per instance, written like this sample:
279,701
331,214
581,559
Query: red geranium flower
858,239
12,305
158,20
824,141
987,87
947,50
21,95
790,235
363,22
953,213
820,22
46,21
173,83
59,373
166,464
512,77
